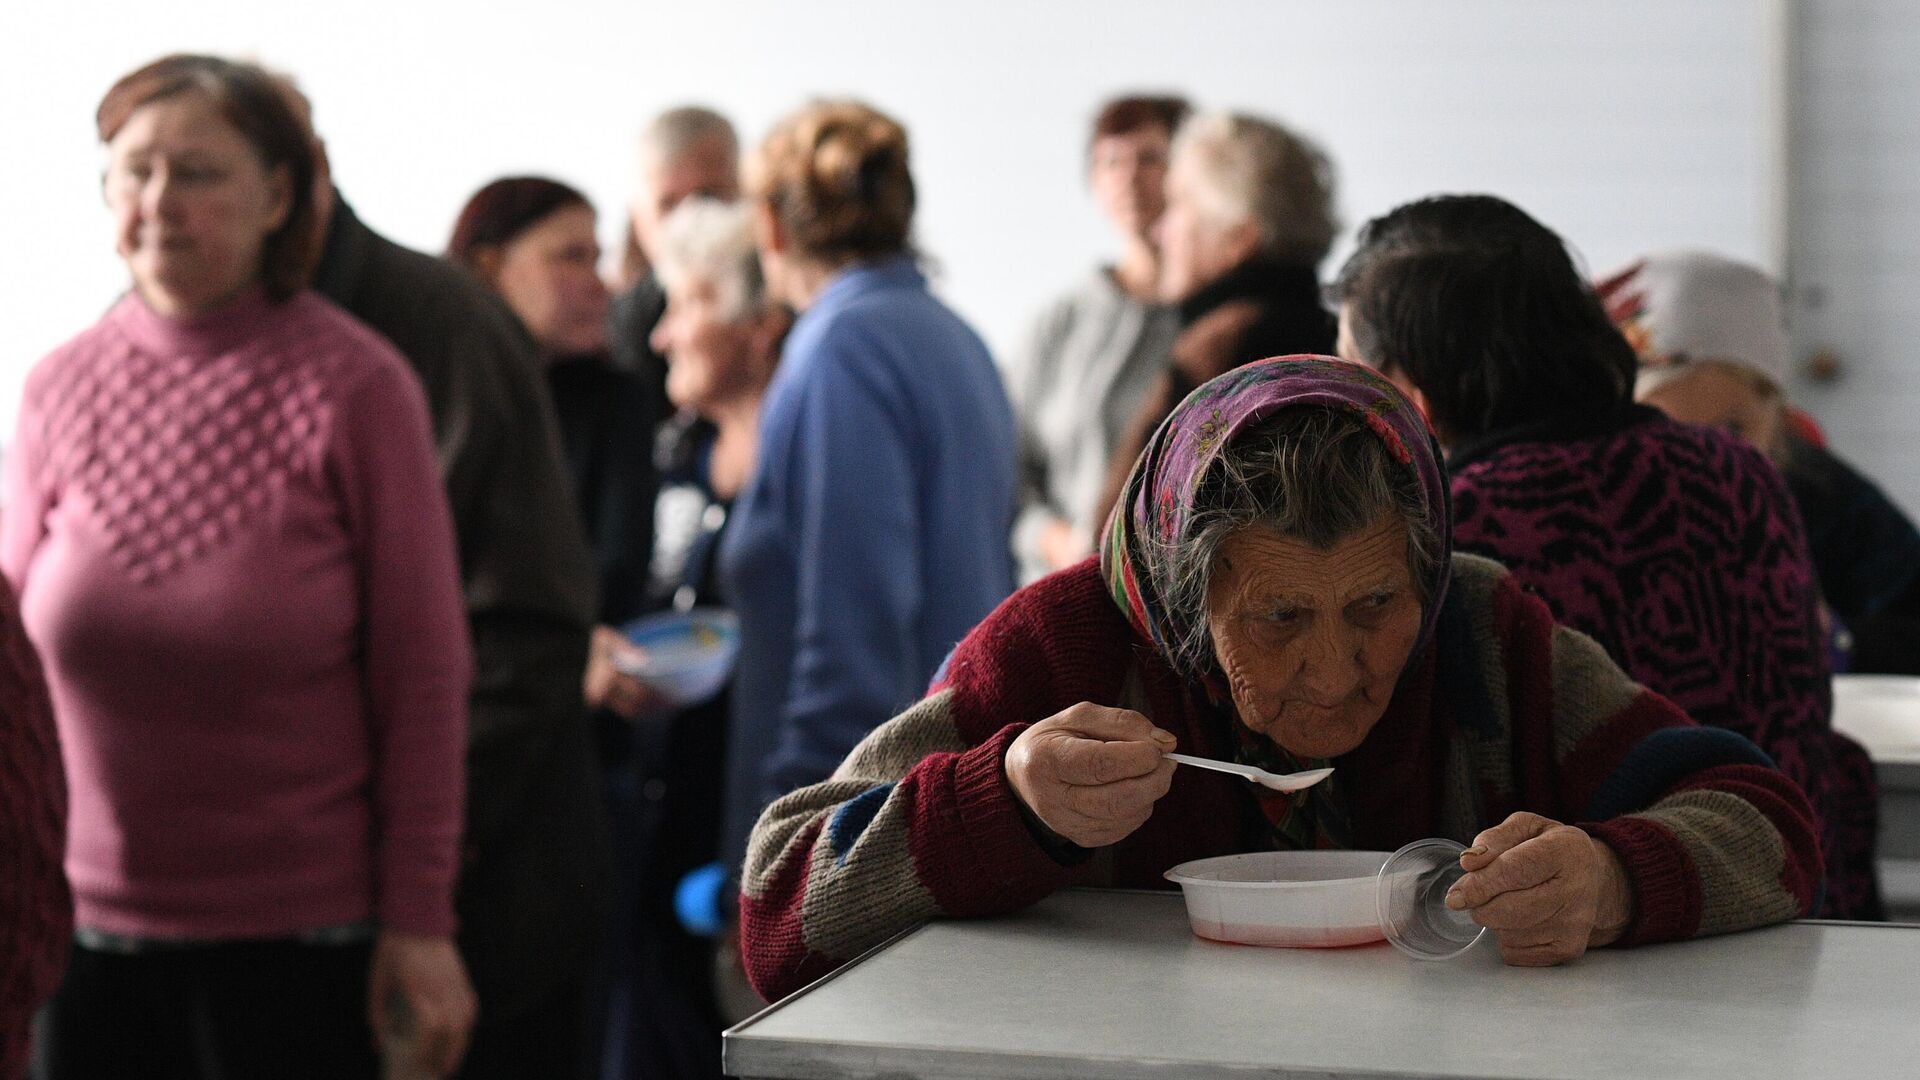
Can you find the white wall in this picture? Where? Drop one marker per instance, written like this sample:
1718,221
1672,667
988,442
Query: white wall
1856,238
1628,124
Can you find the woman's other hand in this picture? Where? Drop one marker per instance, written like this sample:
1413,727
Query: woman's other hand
605,686
420,982
1091,774
1549,892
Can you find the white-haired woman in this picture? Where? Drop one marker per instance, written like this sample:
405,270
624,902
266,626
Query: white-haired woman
721,337
1249,217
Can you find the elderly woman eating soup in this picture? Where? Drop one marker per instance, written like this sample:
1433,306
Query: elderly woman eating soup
1278,587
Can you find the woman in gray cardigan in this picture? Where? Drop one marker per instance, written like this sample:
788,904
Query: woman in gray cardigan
1095,352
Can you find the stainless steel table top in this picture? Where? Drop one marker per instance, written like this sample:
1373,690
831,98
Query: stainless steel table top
1113,984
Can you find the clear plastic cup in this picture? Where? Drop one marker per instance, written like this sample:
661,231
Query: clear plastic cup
1412,899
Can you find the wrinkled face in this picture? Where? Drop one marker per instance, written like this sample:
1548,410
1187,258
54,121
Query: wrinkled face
548,275
1128,174
1720,396
1312,642
1195,249
192,204
710,168
713,355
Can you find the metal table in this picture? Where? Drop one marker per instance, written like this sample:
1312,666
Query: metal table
1112,984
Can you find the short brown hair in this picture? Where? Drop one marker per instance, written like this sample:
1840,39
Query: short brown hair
1126,115
836,175
497,214
254,103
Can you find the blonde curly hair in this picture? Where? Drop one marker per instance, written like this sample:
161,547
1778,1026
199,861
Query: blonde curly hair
836,175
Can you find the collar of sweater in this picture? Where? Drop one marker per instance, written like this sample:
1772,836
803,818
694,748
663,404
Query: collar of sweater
1267,281
893,272
208,333
1567,429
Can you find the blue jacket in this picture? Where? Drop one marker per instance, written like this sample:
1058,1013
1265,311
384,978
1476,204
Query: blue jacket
874,534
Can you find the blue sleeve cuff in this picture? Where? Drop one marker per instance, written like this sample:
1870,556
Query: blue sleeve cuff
1664,758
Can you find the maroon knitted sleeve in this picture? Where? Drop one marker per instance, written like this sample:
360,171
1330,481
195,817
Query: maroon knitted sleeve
36,910
920,820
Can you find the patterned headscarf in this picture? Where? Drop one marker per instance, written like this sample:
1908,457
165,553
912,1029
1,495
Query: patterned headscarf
1159,501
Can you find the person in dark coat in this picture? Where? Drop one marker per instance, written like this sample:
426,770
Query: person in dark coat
534,873
532,241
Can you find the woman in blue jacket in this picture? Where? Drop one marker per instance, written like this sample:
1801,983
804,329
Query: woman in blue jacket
875,531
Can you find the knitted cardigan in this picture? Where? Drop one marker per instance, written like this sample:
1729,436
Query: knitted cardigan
1502,712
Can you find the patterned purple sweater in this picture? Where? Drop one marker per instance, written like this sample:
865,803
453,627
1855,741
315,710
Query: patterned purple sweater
1679,549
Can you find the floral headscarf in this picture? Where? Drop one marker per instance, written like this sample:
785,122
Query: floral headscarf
1158,502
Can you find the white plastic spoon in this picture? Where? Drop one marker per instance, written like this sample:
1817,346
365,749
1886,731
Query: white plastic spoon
1277,781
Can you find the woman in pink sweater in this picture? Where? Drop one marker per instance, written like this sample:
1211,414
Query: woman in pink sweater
231,547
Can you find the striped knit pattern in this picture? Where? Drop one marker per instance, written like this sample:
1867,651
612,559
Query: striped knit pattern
1504,711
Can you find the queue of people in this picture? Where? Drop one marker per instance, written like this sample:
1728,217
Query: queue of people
328,749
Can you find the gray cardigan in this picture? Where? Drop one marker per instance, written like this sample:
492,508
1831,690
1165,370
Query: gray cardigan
1092,356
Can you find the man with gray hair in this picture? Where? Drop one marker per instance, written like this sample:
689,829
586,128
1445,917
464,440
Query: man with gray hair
686,151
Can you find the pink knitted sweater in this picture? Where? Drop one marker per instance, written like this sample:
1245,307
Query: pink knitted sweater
232,550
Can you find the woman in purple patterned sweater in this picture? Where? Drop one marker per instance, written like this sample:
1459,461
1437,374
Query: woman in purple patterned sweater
1677,547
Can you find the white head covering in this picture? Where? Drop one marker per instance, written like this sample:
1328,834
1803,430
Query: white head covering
1680,307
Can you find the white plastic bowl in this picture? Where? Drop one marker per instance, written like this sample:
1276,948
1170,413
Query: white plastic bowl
1296,899
689,656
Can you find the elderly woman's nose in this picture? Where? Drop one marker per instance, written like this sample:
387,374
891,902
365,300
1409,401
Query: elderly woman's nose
663,335
1331,667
